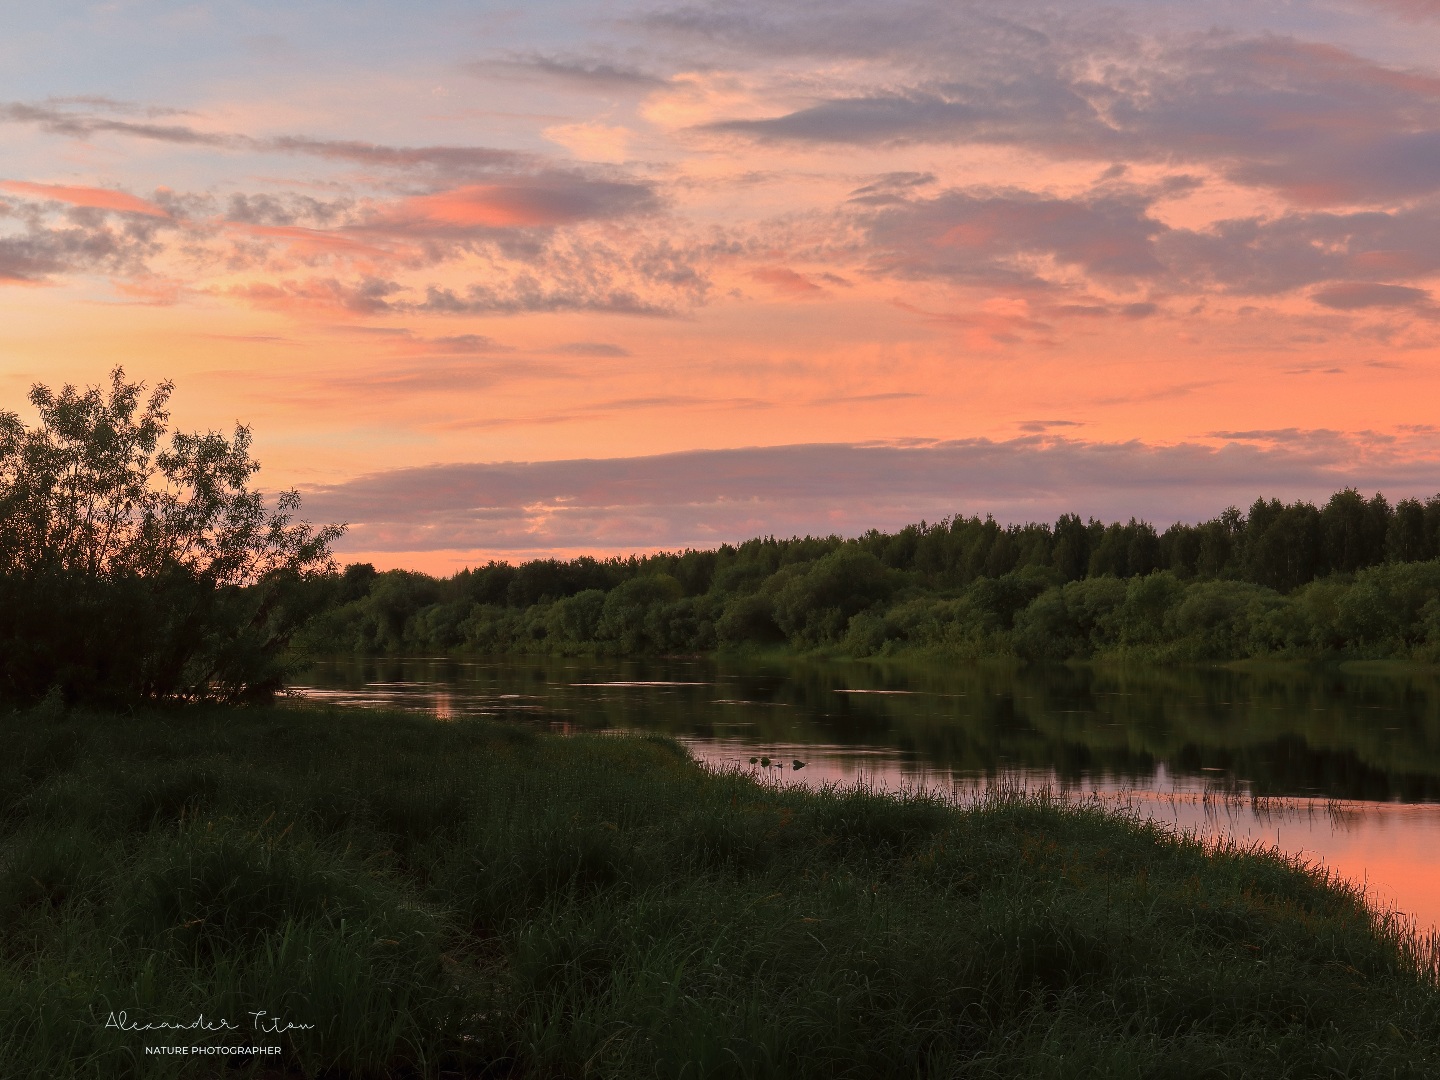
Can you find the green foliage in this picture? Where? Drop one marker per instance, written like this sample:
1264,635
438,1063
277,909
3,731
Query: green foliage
443,899
625,614
577,618
814,604
748,618
1351,579
133,570
1217,619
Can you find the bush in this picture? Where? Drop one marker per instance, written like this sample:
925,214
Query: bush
577,618
1214,616
815,606
1046,631
623,616
748,618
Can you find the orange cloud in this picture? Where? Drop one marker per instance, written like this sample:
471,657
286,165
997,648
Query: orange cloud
541,201
488,205
158,292
367,297
312,243
96,198
493,206
786,281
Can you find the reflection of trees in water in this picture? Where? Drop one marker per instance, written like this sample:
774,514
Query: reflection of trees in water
1281,731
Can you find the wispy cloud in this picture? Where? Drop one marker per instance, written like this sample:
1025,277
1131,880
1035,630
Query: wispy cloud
84,242
969,235
1411,10
584,73
523,237
1319,123
56,119
786,281
535,201
1349,295
94,198
602,349
527,294
708,496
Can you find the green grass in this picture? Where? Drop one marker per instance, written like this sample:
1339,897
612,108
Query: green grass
478,899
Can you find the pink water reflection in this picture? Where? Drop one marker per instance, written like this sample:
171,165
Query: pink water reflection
1392,849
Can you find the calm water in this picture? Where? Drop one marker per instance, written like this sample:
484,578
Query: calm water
1342,767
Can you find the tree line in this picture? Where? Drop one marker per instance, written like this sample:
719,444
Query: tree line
1354,576
139,564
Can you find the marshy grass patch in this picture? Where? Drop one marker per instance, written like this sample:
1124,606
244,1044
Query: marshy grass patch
483,899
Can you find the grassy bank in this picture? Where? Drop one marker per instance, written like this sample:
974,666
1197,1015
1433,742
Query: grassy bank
485,900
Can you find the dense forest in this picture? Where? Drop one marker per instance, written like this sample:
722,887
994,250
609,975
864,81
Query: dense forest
1355,577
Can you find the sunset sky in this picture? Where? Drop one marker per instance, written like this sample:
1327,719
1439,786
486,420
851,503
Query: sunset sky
498,281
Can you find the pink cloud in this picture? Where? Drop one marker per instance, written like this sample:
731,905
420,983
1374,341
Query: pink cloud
1314,121
367,296
539,202
487,205
312,243
1349,295
94,198
1414,10
705,497
786,281
981,235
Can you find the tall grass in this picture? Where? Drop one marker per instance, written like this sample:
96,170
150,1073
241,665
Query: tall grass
478,899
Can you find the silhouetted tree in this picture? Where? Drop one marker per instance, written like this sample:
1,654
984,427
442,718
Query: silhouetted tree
1071,554
1406,540
1354,530
1220,540
1180,549
1282,544
133,569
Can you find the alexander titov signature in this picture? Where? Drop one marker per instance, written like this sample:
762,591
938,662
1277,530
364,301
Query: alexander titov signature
260,1021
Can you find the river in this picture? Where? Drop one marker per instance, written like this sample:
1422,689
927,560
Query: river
1337,767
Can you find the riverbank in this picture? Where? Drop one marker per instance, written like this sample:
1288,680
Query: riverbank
432,897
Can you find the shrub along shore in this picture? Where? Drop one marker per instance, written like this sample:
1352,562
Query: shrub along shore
480,899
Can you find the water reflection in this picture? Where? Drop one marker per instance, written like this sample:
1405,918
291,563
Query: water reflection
1339,766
